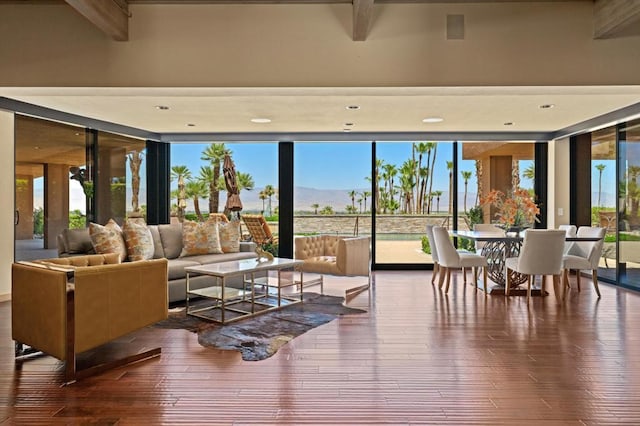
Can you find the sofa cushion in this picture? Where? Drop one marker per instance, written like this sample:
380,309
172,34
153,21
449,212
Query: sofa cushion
108,239
321,265
176,268
77,240
138,240
158,251
200,238
229,236
171,237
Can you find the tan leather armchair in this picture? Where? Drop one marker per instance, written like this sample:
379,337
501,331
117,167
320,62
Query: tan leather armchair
335,255
66,306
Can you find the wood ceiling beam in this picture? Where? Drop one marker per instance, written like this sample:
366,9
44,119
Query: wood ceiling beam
613,17
362,11
110,16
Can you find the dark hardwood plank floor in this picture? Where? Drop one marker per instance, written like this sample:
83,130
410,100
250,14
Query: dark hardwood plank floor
418,356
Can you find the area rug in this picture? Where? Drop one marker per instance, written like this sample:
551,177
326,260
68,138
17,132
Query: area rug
261,336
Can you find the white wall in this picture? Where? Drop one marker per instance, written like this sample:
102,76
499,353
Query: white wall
7,197
558,195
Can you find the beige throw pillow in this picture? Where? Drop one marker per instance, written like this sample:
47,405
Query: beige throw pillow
229,236
108,239
139,240
200,238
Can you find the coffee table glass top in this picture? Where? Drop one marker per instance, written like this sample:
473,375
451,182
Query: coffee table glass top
243,266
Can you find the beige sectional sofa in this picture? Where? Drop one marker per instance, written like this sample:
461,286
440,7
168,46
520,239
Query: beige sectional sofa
167,242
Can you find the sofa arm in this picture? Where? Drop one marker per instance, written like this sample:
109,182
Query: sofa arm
38,307
353,256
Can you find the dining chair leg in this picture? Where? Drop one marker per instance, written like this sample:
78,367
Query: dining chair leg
594,275
446,289
557,287
565,278
464,275
578,278
543,281
441,274
529,280
484,279
474,271
435,272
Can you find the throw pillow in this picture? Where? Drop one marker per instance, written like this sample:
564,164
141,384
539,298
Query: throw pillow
200,238
77,240
229,236
108,239
139,241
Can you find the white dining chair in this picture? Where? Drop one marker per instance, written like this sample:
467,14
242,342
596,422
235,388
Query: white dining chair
434,256
541,254
488,229
449,258
585,255
570,231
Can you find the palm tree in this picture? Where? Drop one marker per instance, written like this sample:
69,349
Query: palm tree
352,195
466,176
530,172
263,196
181,170
434,148
214,154
269,190
196,189
437,194
360,204
244,181
315,206
421,148
365,195
450,168
180,173
600,168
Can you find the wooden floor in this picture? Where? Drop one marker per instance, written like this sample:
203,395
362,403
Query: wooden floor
419,356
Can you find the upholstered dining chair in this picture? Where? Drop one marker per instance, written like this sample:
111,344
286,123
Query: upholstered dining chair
434,252
449,258
541,254
570,232
585,255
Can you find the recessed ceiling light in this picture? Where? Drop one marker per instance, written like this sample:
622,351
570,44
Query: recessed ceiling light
78,134
191,125
36,147
348,124
346,130
546,106
261,120
162,107
353,106
433,120
509,123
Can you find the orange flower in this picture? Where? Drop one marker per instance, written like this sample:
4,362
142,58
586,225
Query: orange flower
515,209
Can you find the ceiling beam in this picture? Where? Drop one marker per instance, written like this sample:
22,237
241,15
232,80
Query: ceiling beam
362,11
110,16
613,17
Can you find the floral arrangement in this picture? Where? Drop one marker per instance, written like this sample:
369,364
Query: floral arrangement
514,209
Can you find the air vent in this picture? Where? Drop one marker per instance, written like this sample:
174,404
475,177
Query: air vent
455,27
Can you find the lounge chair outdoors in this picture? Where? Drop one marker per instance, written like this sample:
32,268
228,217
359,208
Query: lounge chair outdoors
259,229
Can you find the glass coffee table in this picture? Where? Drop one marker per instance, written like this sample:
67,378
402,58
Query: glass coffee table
263,282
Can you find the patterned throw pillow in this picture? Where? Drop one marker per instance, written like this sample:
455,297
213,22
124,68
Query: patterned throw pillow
229,236
108,239
139,241
200,238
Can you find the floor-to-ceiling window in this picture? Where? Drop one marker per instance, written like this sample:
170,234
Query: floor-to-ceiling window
200,167
48,198
415,181
333,188
629,204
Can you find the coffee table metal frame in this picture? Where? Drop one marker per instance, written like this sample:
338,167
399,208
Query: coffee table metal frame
254,274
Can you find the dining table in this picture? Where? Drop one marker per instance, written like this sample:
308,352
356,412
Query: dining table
497,248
